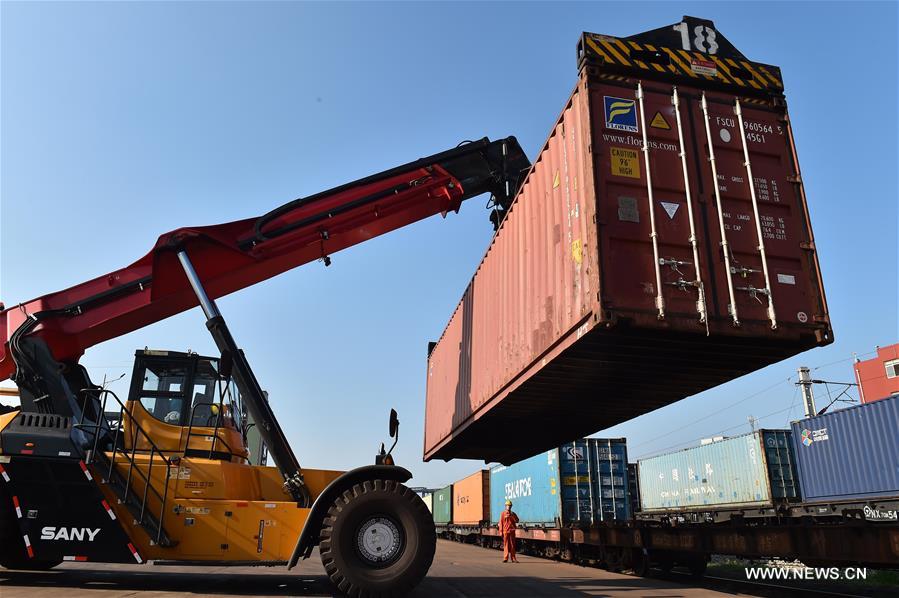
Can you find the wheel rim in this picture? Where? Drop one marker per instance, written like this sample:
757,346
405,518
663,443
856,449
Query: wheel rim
379,541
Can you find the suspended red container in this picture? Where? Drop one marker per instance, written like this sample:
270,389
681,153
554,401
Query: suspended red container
622,280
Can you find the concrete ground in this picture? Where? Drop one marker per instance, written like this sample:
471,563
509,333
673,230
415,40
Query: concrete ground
458,571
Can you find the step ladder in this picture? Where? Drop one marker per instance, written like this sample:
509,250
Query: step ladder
108,463
660,261
732,269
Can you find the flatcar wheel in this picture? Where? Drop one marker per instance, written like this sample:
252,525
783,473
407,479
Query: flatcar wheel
641,562
378,539
666,564
697,566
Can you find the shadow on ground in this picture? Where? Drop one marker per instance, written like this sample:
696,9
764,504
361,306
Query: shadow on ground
26,583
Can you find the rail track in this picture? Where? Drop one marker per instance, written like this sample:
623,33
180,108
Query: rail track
812,589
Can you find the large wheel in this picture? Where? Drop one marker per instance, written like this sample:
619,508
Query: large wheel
378,540
12,546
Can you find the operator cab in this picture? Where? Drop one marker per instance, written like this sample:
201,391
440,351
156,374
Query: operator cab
188,403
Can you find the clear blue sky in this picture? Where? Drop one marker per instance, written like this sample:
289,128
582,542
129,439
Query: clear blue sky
124,120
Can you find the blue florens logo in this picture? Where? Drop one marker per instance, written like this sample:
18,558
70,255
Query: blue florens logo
621,114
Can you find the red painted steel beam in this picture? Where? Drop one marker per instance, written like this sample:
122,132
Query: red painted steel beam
235,255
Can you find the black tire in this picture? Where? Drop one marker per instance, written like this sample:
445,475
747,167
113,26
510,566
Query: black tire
396,556
12,546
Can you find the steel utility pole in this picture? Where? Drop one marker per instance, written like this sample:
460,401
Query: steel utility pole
808,397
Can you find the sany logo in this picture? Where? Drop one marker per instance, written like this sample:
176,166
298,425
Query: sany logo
69,534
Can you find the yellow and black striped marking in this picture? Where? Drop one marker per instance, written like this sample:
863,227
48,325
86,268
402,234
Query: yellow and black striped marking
728,71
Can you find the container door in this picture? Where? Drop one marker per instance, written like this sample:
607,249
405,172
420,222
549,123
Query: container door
781,464
758,238
648,208
577,491
610,480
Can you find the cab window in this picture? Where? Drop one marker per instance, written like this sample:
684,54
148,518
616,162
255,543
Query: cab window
162,391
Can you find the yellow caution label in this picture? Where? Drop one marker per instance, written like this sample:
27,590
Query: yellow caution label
659,122
572,480
556,180
625,162
577,251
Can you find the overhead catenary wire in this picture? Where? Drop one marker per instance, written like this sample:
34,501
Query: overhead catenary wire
826,365
793,403
714,413
788,380
718,433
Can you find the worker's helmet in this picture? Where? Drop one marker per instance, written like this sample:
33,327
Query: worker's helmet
508,503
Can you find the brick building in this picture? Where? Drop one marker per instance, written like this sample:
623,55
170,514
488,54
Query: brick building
878,378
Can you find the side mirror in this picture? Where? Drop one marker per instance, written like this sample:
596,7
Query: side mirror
394,423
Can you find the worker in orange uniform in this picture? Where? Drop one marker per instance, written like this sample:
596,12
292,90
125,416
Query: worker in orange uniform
508,523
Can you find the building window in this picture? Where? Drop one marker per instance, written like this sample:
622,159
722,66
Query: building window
892,368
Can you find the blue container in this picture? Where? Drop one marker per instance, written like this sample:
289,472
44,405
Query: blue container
850,454
580,483
753,470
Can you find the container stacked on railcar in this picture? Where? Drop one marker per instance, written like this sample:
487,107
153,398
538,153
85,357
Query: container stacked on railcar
442,505
471,500
573,504
756,470
579,483
850,455
846,459
660,245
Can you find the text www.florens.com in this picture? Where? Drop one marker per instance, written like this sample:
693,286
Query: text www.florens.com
805,573
625,140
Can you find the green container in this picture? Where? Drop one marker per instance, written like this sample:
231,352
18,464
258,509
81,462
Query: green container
443,505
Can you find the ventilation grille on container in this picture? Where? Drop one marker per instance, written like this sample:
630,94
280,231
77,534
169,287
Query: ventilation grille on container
43,420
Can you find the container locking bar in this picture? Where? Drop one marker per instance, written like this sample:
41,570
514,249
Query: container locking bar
725,246
701,306
654,235
772,315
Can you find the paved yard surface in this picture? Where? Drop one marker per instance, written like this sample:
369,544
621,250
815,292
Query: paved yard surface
458,571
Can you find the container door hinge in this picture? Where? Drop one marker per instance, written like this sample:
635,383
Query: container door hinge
808,245
794,178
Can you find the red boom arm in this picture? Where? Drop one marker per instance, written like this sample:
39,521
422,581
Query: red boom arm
234,255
